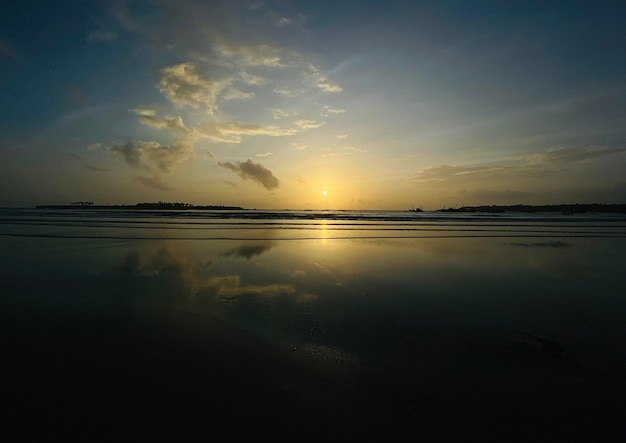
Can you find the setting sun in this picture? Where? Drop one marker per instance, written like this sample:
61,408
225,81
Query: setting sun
324,192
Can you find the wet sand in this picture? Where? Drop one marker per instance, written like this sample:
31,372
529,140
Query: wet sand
375,339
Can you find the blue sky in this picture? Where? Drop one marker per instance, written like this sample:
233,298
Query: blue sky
269,103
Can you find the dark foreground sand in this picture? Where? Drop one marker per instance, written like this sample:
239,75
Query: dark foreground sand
181,376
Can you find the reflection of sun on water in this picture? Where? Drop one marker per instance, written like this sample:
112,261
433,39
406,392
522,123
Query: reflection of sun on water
324,231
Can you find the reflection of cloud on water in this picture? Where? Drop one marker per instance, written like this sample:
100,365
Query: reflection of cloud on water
191,276
163,262
247,251
229,287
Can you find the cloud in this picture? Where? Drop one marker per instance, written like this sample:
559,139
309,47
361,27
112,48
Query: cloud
153,182
253,171
287,92
328,110
95,168
232,132
251,79
320,80
446,172
249,55
265,154
277,114
148,117
142,154
353,149
184,84
283,21
308,124
341,137
236,94
568,155
515,179
298,147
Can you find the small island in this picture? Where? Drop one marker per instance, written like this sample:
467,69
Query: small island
152,206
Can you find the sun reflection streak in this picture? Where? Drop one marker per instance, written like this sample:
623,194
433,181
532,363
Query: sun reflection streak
324,231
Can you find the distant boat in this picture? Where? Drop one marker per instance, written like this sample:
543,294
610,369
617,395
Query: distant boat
414,209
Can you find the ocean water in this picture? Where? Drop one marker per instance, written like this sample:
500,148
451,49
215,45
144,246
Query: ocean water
310,326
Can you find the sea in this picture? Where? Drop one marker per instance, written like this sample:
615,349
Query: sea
280,325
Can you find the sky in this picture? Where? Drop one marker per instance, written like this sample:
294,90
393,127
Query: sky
313,104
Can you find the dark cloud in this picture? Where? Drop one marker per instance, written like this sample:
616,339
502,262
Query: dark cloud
152,154
131,152
95,168
253,171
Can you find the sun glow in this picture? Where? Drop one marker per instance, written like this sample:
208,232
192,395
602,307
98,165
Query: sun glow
324,192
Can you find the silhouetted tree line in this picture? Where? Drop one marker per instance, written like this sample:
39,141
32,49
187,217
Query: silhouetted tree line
154,205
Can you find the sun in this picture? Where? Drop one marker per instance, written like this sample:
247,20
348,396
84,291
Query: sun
324,192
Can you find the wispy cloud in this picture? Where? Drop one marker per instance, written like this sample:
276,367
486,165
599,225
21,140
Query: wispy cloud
307,124
320,80
353,149
283,21
233,132
253,171
148,117
537,164
331,111
265,154
287,92
252,79
249,55
277,114
568,155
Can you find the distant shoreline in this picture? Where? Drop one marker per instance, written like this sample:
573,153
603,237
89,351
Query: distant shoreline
150,206
565,209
